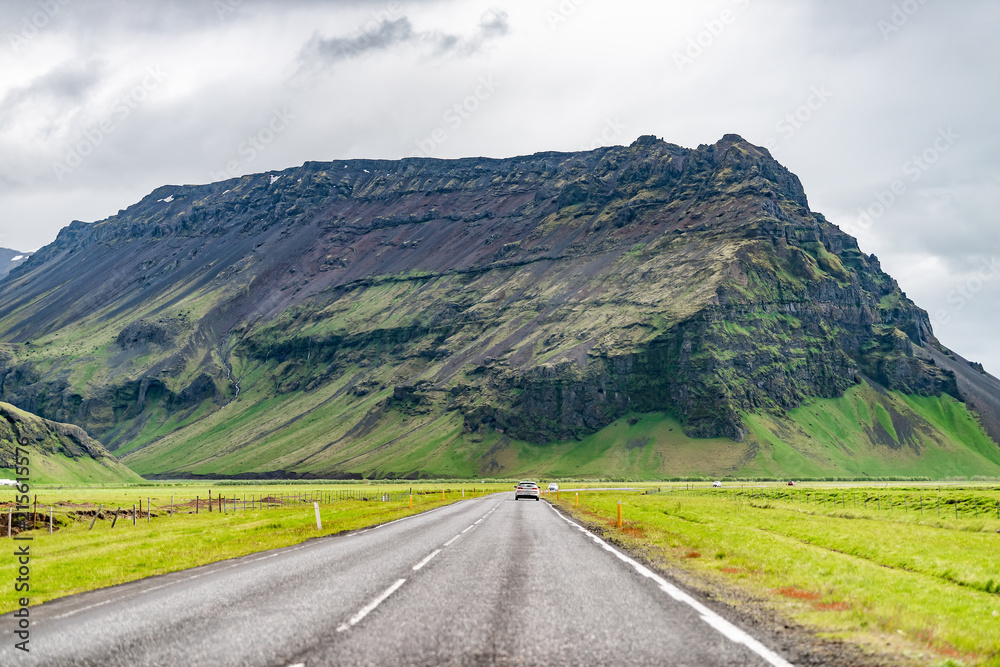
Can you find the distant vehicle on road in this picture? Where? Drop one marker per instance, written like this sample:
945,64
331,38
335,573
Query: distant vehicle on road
716,484
791,484
527,490
553,487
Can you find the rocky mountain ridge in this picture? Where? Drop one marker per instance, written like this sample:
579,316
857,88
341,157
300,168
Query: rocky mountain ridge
10,259
541,297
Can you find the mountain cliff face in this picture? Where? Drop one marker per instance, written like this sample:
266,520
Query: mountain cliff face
383,316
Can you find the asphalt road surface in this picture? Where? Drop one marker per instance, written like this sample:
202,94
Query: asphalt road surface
488,581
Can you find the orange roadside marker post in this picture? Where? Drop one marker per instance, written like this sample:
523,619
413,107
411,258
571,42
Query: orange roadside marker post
442,494
619,514
411,501
578,499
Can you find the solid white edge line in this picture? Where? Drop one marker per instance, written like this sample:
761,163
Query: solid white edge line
371,606
448,543
426,560
721,625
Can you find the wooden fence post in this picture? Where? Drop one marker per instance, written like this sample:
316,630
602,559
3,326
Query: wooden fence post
149,509
50,519
96,514
10,521
115,520
171,505
133,514
210,501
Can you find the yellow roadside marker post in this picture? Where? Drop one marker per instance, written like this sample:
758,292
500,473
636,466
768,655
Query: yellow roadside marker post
578,499
411,501
619,514
442,494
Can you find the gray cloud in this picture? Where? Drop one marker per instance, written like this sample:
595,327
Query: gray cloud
385,36
66,84
388,34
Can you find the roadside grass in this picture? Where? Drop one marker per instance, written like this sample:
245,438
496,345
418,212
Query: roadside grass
75,558
900,581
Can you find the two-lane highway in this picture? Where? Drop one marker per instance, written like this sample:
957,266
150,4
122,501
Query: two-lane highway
489,581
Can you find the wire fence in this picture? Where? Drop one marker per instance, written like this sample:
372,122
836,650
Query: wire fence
51,516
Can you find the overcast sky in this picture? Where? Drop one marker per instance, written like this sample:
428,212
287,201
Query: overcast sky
889,107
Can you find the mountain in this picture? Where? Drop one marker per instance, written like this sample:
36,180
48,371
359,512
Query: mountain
9,259
56,453
648,310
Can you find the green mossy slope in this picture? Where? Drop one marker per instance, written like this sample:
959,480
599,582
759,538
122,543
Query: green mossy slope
843,437
57,453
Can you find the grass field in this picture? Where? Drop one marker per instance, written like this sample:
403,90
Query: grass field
907,570
76,558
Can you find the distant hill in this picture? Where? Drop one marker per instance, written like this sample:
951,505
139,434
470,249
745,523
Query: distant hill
9,259
58,453
646,310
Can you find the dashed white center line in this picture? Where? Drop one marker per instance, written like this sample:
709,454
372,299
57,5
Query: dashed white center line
77,611
425,561
468,529
448,543
371,606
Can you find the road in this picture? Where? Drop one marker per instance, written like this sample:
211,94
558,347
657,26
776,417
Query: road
487,581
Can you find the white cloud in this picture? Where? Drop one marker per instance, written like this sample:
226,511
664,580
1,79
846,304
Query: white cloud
564,70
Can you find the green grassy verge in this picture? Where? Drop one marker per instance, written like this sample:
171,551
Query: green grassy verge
75,558
884,568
